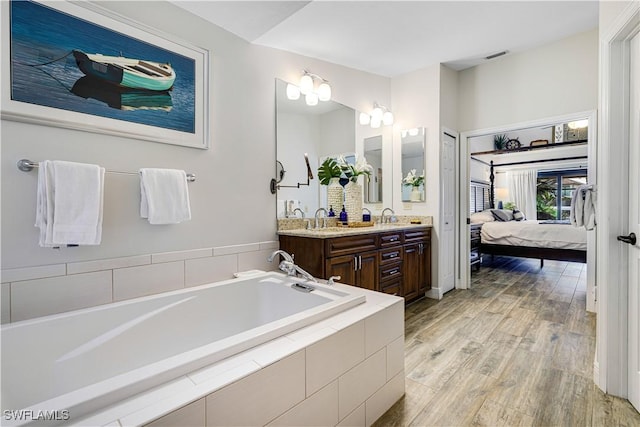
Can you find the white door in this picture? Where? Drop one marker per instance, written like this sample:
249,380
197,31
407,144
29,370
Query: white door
447,234
634,224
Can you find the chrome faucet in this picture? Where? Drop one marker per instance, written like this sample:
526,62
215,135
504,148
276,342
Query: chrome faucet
383,218
289,267
298,210
324,222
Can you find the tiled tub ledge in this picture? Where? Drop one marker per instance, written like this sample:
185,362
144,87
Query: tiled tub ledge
344,370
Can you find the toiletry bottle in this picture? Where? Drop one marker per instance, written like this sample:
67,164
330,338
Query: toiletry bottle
331,212
343,215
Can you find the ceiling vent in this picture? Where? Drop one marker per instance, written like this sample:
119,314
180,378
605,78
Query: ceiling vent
495,55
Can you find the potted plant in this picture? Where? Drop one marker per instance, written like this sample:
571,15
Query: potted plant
329,174
415,182
327,170
500,141
353,189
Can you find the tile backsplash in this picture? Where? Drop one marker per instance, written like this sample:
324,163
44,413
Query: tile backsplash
50,289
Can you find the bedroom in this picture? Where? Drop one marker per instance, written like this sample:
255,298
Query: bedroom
522,183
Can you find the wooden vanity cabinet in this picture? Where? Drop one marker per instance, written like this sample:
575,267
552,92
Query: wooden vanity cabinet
417,263
395,262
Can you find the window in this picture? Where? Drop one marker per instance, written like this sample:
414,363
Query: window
554,191
478,197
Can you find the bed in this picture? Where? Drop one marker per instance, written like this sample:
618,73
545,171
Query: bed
552,240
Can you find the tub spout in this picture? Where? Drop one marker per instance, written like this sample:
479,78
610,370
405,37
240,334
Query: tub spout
289,267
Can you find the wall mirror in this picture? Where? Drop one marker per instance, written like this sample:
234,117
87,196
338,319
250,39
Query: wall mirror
373,153
413,163
327,129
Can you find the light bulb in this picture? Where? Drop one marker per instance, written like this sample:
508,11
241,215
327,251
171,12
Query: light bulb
387,118
403,133
364,118
375,122
306,84
311,99
413,131
376,113
578,124
293,92
324,91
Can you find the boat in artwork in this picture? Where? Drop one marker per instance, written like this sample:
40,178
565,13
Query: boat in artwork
126,72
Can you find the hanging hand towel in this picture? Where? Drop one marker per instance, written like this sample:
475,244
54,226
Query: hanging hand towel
589,209
69,203
164,196
576,214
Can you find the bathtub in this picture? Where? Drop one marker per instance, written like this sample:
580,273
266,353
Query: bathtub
72,364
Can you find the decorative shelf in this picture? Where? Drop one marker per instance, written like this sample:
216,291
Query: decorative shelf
537,147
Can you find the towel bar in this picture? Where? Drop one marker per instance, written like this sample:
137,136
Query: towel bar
27,165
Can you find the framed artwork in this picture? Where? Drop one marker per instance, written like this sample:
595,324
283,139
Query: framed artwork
79,66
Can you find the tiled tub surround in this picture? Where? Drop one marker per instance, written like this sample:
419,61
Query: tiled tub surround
347,369
39,291
98,356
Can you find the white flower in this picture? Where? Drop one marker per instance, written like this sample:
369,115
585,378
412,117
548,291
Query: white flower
412,179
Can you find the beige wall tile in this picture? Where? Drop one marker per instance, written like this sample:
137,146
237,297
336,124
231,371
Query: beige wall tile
29,273
5,314
192,415
256,260
395,357
150,279
236,249
212,269
356,385
259,398
107,264
384,327
270,245
319,409
333,356
35,298
181,255
355,419
384,398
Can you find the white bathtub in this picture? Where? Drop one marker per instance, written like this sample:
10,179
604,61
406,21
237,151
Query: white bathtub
85,360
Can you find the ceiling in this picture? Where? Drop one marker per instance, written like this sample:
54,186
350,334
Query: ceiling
391,38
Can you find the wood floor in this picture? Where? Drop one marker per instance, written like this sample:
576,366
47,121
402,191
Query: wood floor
515,350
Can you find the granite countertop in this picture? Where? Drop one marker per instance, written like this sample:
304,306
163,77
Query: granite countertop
324,233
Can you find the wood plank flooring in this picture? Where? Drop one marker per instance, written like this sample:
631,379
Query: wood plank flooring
515,350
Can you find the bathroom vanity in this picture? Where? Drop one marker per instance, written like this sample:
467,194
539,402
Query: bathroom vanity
390,258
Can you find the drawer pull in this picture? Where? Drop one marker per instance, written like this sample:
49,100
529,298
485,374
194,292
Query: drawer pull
392,272
393,255
393,239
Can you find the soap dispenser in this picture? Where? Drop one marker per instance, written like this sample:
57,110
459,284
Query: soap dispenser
343,215
331,212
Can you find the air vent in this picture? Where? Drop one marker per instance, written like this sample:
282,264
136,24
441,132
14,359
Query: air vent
495,55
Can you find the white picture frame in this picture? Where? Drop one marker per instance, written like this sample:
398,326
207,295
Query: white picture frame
152,121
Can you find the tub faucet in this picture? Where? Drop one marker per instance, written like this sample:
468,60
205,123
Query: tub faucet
324,222
383,218
289,267
298,210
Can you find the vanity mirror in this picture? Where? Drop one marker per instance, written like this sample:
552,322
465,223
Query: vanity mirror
413,163
373,154
327,129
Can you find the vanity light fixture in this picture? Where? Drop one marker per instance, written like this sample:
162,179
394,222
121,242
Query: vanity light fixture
411,132
306,88
380,115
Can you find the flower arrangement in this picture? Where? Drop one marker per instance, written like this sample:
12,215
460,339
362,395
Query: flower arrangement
353,171
412,179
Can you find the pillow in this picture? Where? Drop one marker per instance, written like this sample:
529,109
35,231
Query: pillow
502,214
517,215
482,217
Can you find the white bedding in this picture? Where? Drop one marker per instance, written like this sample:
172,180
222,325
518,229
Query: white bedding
534,234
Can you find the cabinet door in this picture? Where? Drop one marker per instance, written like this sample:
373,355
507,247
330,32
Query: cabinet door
412,271
343,266
368,270
425,255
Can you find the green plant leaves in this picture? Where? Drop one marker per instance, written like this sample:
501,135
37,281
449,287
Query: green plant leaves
327,170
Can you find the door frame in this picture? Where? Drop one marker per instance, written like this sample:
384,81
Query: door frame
463,279
611,364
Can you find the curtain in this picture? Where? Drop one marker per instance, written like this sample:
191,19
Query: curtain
522,189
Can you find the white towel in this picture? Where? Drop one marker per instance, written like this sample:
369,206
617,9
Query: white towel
589,214
576,214
164,196
69,203
583,207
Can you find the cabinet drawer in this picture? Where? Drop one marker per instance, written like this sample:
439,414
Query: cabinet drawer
417,235
391,239
392,286
390,255
390,271
351,244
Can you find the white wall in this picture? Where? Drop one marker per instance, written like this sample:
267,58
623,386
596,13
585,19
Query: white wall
555,79
231,202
